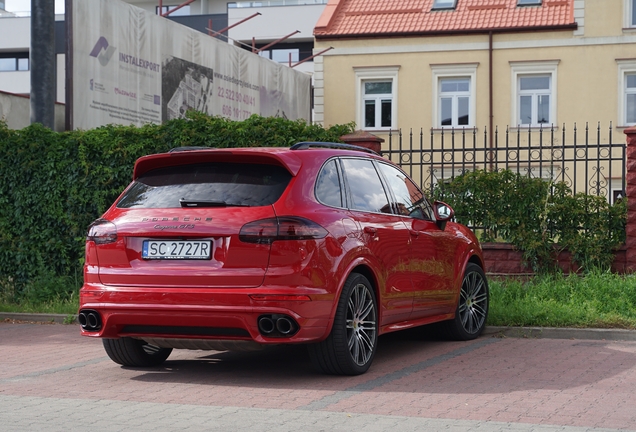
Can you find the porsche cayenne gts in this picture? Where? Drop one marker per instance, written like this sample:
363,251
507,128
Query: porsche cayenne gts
322,244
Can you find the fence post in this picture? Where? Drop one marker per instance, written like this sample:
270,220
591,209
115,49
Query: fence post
630,192
364,139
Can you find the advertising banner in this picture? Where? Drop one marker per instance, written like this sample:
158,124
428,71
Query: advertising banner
133,67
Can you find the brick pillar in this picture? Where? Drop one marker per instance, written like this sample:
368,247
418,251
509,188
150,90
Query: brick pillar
630,193
364,139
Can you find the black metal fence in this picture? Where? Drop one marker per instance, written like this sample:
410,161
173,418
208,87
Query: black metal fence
586,160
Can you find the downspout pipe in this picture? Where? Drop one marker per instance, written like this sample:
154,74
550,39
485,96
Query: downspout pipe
490,91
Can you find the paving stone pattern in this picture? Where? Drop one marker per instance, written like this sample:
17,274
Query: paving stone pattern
53,379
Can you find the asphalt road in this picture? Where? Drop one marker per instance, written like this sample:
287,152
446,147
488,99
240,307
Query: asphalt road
53,379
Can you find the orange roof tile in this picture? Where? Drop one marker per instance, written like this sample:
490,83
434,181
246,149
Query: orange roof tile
359,18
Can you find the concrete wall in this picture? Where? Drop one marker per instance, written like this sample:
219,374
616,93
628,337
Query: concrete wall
19,30
16,111
275,22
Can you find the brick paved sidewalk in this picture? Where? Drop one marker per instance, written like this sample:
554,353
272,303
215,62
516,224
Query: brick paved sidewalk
34,414
49,375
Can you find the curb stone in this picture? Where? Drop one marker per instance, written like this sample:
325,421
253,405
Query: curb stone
492,331
561,333
38,317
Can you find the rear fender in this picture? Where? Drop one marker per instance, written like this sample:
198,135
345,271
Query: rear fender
354,266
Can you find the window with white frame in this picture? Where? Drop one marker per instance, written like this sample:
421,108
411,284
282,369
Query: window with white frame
630,99
378,104
627,92
629,13
454,95
534,95
454,101
377,97
616,190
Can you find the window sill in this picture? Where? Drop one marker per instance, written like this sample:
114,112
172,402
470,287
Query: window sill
380,130
455,129
522,128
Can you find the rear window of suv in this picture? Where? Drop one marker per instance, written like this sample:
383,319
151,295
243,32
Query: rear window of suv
207,185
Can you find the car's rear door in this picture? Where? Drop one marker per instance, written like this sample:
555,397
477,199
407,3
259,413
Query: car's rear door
385,236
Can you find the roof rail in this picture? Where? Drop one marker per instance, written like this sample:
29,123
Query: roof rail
187,148
330,145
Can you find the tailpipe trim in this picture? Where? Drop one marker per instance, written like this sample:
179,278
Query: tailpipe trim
89,320
277,325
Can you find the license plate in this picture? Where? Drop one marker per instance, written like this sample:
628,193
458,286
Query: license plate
177,249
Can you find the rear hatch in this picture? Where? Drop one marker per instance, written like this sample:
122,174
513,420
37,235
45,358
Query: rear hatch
178,225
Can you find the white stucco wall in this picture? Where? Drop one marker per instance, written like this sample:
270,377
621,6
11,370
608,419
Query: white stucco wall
16,111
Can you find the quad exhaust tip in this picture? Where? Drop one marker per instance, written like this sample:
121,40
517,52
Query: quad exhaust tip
89,320
276,325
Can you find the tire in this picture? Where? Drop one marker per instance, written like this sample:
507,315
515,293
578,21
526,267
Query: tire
472,306
134,352
350,347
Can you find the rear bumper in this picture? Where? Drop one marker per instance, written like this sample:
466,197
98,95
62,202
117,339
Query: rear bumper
204,313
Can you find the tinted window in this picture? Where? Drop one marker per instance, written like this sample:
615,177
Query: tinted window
232,184
410,201
366,189
328,189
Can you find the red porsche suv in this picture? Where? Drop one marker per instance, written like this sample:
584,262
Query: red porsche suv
323,244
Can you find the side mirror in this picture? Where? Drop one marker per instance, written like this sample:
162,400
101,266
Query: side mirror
443,213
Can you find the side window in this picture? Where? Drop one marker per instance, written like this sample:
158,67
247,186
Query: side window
410,201
328,190
367,192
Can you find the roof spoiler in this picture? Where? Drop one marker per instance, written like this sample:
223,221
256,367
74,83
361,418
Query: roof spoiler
330,145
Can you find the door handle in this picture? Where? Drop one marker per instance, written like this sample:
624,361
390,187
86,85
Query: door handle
370,230
414,233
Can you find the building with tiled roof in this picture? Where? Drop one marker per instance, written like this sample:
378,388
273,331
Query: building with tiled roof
478,65
385,18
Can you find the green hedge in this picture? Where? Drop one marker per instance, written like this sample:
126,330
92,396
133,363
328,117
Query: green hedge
53,185
539,217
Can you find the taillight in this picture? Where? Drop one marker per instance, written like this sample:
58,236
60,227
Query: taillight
281,228
102,231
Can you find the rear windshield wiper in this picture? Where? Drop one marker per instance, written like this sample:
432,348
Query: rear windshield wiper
207,203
